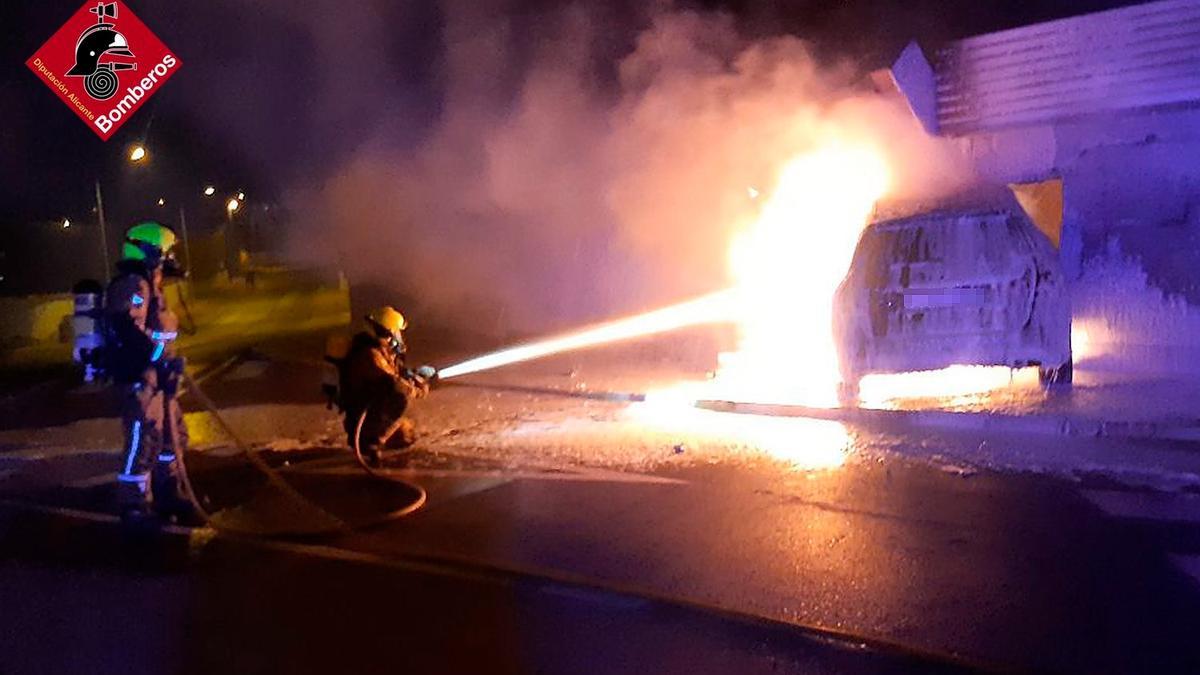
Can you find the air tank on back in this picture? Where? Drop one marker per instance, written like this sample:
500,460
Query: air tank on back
89,337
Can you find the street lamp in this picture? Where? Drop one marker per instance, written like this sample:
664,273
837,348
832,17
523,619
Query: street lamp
66,223
233,205
209,191
241,195
137,153
162,201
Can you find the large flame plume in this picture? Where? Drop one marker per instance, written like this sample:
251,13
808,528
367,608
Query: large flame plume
723,162
788,264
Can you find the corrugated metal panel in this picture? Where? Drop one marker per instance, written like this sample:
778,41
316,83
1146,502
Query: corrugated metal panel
1134,57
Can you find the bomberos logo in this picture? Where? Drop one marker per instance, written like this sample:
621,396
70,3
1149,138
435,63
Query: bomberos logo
104,63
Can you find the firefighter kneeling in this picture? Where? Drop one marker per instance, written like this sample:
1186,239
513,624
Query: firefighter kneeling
374,386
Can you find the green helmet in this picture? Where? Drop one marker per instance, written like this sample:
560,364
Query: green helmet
149,241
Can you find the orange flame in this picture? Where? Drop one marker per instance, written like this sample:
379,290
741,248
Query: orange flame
956,382
787,266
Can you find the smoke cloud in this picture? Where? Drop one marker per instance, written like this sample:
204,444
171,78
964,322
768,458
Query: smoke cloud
561,183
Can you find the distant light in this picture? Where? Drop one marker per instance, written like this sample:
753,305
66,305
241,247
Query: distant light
161,201
137,153
233,205
66,223
209,191
241,195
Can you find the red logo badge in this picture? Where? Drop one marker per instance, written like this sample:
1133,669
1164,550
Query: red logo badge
104,64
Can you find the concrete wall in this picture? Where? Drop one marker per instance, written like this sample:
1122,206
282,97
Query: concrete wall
1110,103
30,319
1133,177
1131,226
1135,180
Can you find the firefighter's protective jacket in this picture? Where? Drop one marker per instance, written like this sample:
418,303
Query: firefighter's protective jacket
373,370
140,328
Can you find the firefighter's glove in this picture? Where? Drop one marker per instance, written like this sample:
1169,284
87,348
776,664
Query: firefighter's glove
411,387
421,386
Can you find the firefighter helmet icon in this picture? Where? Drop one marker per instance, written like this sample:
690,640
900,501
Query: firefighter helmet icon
101,40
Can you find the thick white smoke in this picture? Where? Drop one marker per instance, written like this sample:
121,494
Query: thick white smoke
549,193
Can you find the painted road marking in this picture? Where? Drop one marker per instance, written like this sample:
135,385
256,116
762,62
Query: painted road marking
1167,508
1188,564
1151,508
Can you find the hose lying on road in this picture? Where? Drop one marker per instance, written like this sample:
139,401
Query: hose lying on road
323,521
382,474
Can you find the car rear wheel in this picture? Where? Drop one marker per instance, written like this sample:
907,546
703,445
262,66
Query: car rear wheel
1056,377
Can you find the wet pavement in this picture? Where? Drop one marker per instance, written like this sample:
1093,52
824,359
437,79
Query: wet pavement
907,541
1096,395
267,609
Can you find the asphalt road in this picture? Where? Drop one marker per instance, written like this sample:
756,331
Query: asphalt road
725,542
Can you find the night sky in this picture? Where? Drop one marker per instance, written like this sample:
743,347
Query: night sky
272,93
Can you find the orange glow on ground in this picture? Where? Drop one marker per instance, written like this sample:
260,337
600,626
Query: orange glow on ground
803,444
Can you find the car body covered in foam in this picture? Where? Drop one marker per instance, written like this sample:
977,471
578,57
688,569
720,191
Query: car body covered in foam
962,284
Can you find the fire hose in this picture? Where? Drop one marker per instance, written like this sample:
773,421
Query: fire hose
707,309
327,523
362,462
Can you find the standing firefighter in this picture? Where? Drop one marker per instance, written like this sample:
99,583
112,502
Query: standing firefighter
374,385
140,330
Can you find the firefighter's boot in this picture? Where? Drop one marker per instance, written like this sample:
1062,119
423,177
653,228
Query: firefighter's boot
401,434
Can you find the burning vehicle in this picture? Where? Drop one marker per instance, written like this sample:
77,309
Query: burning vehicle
971,282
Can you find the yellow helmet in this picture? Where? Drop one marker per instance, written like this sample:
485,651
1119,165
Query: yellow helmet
389,319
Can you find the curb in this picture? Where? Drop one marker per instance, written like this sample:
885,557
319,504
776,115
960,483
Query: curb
1047,425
